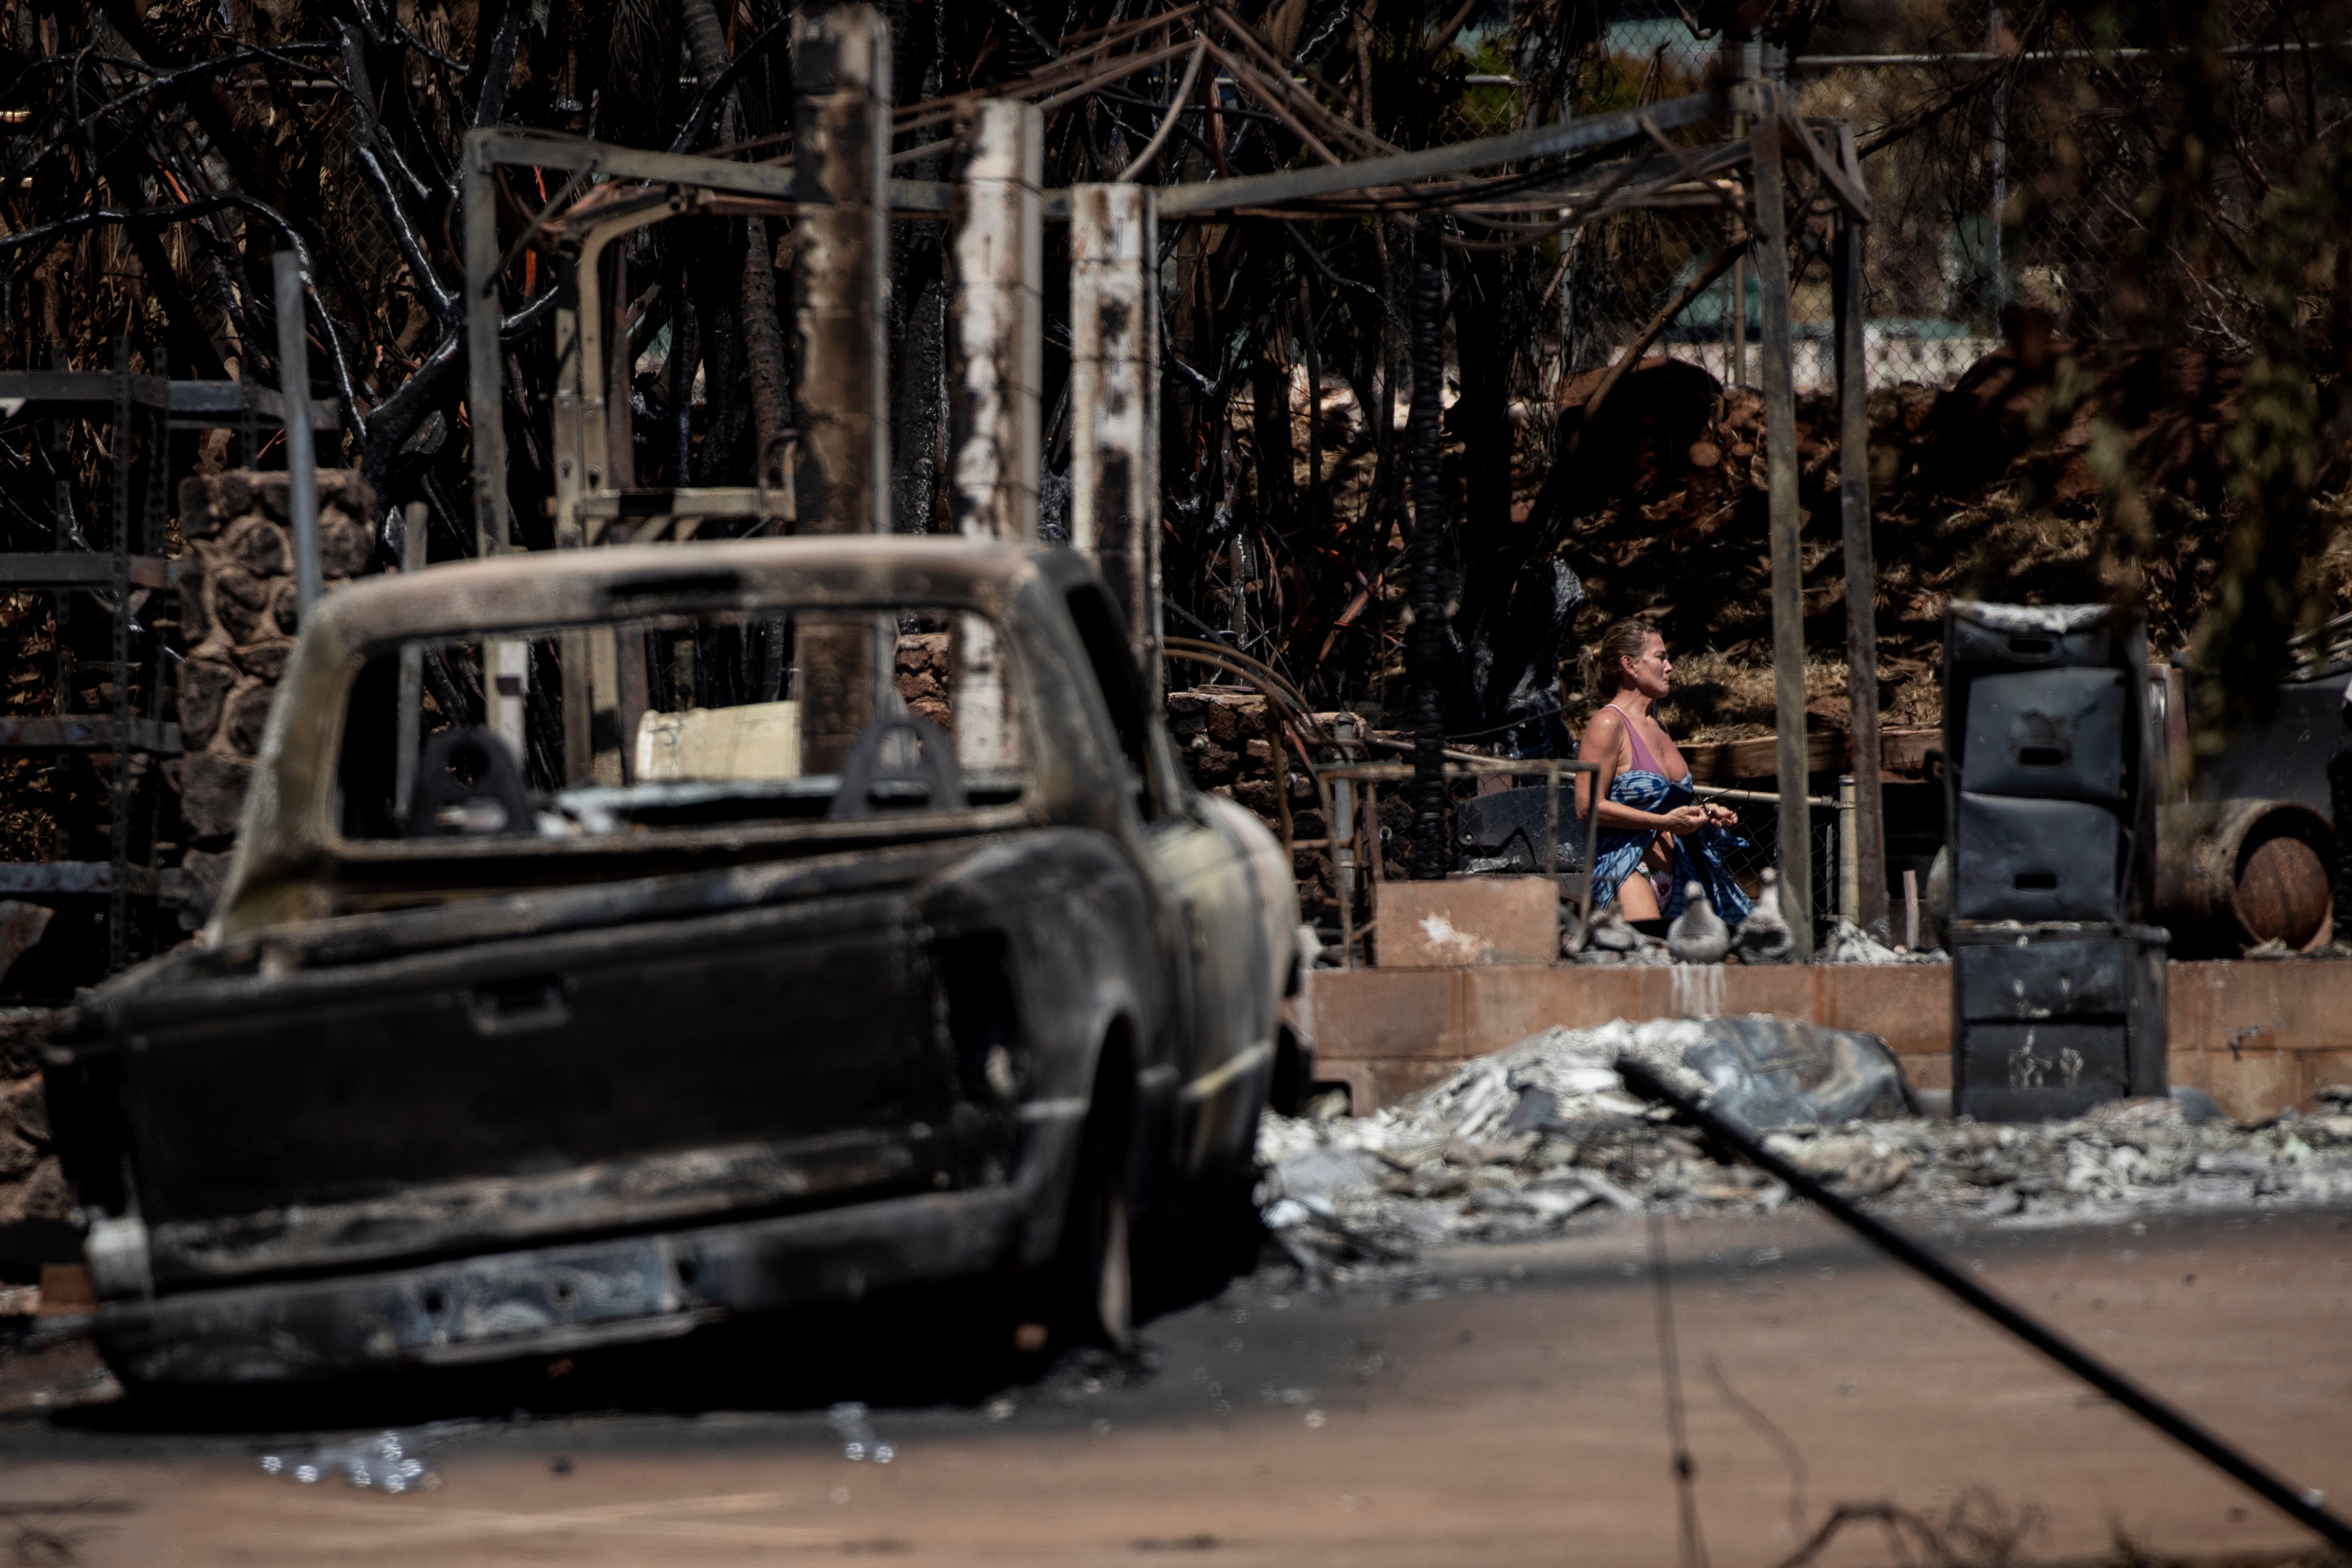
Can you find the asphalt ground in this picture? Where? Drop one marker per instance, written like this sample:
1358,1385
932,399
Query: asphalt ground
1493,1405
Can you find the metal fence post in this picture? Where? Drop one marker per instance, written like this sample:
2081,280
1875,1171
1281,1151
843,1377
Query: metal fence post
302,460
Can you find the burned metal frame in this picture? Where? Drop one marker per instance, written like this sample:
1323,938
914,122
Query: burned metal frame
1372,774
1663,177
491,150
131,561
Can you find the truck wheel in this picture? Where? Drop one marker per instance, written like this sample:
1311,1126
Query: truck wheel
1093,1277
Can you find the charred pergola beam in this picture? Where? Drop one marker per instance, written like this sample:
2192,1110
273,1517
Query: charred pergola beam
1565,138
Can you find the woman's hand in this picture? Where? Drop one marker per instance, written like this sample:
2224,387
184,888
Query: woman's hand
1683,819
1721,815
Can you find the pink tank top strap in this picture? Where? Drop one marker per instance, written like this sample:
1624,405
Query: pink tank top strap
1644,760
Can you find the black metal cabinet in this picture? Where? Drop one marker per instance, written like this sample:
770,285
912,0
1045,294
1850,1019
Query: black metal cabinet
2058,990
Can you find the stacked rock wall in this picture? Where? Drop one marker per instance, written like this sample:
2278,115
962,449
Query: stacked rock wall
237,615
34,1206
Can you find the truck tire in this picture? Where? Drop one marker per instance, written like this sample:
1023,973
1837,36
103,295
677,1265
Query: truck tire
1092,1277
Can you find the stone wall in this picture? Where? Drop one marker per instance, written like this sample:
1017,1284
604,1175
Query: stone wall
34,1206
237,619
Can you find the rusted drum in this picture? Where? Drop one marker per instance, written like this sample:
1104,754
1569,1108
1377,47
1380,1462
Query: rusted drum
2233,873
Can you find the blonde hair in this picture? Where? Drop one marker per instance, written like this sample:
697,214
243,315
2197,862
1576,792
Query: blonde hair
1628,638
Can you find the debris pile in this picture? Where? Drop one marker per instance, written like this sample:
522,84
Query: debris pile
1515,1145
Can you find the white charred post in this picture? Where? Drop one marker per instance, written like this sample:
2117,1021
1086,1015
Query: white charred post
996,365
841,251
1114,403
1867,821
1796,859
997,337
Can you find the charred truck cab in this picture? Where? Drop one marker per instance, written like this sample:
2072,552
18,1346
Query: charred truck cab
867,934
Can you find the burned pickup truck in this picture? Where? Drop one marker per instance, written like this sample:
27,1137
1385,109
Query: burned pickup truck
620,939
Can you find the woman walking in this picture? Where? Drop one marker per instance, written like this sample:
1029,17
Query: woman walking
1655,837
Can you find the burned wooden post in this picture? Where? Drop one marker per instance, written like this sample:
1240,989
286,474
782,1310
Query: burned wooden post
1425,640
1115,403
1867,823
1795,855
841,251
997,338
996,350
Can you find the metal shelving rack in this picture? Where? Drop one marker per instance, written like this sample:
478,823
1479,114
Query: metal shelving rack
144,411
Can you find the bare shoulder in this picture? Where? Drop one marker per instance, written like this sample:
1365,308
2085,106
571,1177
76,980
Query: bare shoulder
1603,732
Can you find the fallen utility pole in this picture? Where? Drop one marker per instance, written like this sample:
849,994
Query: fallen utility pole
2301,1505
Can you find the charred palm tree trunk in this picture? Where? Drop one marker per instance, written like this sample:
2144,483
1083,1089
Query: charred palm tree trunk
1425,640
762,340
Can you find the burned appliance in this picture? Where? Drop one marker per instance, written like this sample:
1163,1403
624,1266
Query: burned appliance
2057,979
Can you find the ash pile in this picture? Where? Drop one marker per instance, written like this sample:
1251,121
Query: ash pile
1543,1137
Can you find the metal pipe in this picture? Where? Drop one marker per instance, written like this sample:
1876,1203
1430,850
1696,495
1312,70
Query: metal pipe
412,670
302,460
1795,855
2300,1504
2054,56
1339,828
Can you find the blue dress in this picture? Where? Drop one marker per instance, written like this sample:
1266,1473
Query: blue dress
1698,856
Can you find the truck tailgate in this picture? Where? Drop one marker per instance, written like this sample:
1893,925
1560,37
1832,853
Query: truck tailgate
580,1082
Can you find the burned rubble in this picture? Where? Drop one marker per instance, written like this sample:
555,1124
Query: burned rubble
1516,1146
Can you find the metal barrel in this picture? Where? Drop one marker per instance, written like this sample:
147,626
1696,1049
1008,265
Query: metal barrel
2233,873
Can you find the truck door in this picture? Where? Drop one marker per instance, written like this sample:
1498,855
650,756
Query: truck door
1220,1048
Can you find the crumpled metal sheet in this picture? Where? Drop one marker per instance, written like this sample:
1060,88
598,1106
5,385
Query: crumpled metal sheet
1772,1073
